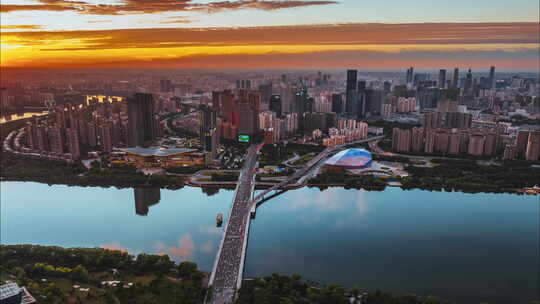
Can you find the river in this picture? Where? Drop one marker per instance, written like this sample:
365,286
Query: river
470,248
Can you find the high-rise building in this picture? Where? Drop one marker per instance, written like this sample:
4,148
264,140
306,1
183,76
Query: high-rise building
442,141
141,125
463,141
249,108
410,75
337,103
521,142
469,85
417,142
373,101
266,94
455,79
361,92
492,77
454,143
429,145
208,131
476,144
105,136
490,144
442,78
31,135
352,93
533,146
56,140
243,84
92,134
401,140
166,85
74,147
275,105
42,138
510,152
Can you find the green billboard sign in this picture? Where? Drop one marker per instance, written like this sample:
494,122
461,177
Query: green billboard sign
243,138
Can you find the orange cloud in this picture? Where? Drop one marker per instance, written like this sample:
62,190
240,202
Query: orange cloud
185,248
176,20
21,27
115,246
315,46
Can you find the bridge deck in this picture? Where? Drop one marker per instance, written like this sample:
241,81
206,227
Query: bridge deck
227,274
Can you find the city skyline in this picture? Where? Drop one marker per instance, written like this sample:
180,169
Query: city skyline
268,35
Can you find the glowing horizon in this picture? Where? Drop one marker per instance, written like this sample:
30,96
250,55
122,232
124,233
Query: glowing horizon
92,33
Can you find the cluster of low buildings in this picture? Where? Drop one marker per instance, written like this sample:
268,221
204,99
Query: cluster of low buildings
11,293
157,157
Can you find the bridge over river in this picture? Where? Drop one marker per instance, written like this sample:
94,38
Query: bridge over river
227,273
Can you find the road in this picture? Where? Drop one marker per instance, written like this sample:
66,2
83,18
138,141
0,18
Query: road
303,173
227,274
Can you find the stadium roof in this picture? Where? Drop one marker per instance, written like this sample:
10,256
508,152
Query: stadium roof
350,158
156,151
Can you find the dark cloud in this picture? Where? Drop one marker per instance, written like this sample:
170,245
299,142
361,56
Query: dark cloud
261,5
8,8
159,6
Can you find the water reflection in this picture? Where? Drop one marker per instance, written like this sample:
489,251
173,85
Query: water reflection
468,248
210,191
144,198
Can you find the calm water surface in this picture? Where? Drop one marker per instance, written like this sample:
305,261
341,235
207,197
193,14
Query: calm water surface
468,248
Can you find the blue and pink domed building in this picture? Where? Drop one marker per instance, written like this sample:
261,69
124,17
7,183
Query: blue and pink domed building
350,159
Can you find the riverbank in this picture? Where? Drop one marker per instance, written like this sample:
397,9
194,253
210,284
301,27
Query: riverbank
16,168
444,175
98,275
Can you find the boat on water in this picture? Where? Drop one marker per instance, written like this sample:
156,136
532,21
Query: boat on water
219,219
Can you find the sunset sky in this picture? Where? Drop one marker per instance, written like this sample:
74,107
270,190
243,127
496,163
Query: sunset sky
285,34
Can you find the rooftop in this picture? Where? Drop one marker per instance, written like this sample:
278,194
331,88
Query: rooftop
156,151
9,290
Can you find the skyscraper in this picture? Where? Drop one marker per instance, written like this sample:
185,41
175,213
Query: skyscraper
248,108
410,75
373,101
208,131
352,93
361,97
141,127
492,77
266,93
275,105
337,103
442,78
455,79
468,82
